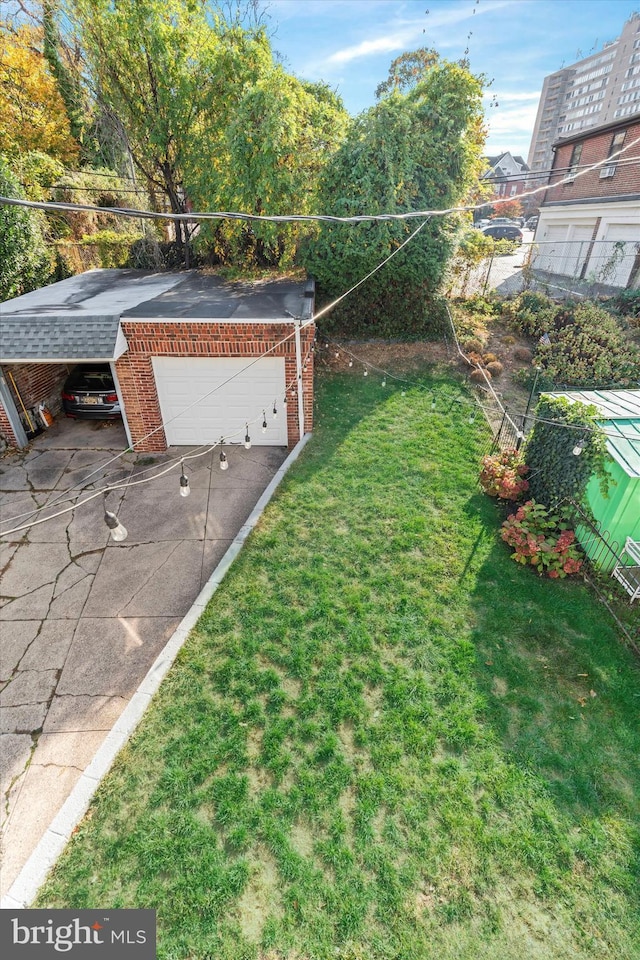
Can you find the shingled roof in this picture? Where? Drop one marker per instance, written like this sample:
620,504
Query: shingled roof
59,338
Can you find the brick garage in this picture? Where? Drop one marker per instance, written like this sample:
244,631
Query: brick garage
248,346
198,339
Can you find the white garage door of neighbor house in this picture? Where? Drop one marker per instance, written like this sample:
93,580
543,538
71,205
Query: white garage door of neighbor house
613,259
203,399
565,249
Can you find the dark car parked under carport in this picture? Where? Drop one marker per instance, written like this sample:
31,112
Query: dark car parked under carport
89,393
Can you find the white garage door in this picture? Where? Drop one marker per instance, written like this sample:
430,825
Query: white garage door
612,260
565,248
203,399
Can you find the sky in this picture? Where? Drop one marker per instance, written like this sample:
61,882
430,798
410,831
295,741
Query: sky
516,43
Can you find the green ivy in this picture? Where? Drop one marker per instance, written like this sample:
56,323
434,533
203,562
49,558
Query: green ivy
556,473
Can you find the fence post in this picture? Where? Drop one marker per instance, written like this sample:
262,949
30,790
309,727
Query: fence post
486,279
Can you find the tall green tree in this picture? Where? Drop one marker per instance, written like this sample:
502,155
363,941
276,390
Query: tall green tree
25,262
415,151
169,72
278,139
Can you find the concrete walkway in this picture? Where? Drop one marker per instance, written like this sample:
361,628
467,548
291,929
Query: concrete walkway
82,618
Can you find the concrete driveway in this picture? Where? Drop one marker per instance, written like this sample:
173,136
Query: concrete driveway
83,618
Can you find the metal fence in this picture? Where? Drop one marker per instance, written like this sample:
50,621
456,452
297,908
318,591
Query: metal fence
598,544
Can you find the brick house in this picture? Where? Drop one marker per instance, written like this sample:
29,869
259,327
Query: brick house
194,358
589,227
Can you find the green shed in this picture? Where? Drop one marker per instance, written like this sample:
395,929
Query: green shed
618,514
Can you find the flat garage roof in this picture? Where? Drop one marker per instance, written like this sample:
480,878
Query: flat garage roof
79,318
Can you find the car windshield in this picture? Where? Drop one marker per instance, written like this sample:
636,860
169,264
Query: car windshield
88,379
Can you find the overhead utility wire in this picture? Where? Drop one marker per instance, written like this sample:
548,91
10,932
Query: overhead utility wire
488,177
293,218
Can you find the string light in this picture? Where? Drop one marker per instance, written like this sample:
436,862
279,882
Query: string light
433,402
384,383
264,422
224,463
350,363
579,447
185,489
247,439
366,372
275,410
117,530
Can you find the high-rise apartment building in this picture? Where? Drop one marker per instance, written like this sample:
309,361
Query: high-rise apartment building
598,89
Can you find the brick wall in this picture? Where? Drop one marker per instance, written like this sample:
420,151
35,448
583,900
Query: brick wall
37,383
626,179
6,431
165,338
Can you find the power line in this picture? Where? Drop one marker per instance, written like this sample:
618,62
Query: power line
295,218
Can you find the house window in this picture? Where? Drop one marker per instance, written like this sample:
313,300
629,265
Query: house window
609,169
576,153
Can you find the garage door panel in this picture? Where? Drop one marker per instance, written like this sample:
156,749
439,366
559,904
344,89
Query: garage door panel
203,399
613,258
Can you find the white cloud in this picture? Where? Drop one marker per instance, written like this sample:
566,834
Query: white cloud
397,36
386,44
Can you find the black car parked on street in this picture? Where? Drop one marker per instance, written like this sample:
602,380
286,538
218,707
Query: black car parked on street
504,231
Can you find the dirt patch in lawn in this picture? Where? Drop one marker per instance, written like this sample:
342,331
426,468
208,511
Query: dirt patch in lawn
404,359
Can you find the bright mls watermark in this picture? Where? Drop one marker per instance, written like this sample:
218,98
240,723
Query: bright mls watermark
79,934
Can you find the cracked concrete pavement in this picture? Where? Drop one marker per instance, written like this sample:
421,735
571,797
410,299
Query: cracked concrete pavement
83,618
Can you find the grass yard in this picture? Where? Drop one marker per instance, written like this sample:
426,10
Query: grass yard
384,740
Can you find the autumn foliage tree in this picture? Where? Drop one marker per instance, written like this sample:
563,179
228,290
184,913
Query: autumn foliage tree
32,112
507,208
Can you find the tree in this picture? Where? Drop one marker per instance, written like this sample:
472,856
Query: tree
277,141
407,70
25,263
170,78
508,208
32,113
411,152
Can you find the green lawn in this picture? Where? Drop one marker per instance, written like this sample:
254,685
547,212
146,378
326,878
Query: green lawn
384,739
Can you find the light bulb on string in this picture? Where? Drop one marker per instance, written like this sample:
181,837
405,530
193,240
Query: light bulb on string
366,372
224,463
117,530
350,363
275,410
579,447
472,417
264,422
384,383
185,489
433,403
247,439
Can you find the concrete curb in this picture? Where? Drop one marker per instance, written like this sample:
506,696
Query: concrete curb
26,885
